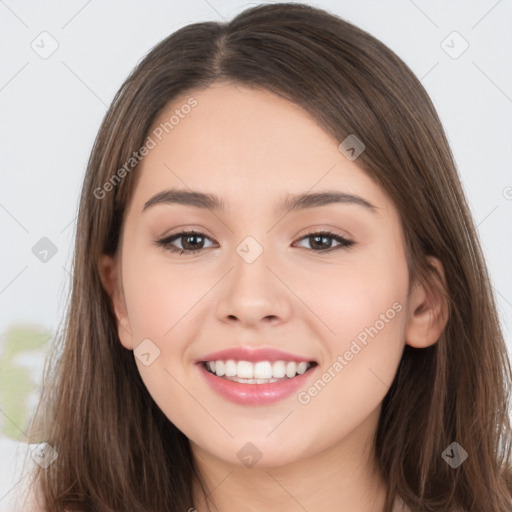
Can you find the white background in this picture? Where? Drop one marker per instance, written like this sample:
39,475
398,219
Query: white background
51,109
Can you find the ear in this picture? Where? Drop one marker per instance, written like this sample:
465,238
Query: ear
109,271
428,309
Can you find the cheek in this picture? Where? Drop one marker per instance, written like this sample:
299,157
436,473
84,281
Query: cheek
366,304
363,355
162,300
158,297
159,301
359,298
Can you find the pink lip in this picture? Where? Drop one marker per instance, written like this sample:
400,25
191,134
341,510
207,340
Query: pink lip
254,355
254,394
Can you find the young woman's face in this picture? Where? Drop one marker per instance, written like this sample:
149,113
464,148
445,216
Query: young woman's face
266,282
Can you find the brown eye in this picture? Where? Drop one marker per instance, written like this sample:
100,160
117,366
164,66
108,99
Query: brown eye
191,242
322,241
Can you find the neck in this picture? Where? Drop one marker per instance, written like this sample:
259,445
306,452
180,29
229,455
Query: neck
342,477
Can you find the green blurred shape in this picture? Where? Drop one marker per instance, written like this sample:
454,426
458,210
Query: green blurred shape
17,382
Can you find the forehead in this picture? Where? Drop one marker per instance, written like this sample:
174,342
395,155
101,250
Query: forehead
248,146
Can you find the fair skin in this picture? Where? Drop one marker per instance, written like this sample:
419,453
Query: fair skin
251,148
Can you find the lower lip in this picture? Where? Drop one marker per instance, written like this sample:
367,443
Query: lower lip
254,394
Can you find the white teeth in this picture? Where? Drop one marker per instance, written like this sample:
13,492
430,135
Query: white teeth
257,373
220,368
263,370
302,367
244,370
278,369
291,370
230,368
252,381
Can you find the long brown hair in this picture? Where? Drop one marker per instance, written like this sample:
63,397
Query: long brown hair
116,449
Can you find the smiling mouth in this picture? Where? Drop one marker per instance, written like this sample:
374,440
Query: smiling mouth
261,372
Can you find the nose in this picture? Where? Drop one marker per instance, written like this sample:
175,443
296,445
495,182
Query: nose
253,294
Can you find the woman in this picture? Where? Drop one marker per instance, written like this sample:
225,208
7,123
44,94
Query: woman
279,300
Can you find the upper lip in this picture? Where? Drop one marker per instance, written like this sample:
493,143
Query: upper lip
254,355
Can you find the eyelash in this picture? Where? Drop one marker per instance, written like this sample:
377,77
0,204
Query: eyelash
166,242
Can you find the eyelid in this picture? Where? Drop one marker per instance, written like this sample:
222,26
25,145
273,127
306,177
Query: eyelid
323,228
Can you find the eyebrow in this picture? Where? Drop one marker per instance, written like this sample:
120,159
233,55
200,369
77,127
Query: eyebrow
290,202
